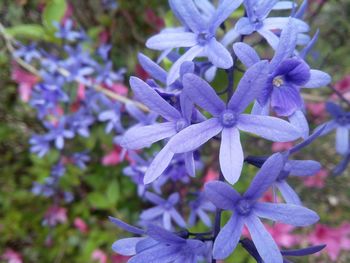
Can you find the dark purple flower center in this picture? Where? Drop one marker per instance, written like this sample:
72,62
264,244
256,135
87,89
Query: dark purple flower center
228,118
244,207
180,125
203,38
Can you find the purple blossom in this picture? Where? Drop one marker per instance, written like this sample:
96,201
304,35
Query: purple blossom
58,133
140,137
28,53
80,159
287,74
257,20
158,245
298,168
80,122
199,208
110,4
65,31
106,76
164,209
113,118
228,120
341,123
40,145
197,35
247,210
141,117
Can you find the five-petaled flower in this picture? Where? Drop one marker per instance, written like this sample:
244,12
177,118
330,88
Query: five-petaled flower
247,210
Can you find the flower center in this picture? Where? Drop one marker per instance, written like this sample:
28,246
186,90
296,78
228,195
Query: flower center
168,206
244,207
180,125
228,118
278,81
257,23
203,38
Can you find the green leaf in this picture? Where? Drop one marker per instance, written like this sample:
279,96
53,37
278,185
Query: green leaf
113,192
28,31
98,200
53,12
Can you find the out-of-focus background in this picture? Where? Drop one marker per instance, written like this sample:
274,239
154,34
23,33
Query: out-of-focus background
37,229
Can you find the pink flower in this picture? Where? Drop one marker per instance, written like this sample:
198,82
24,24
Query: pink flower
99,256
68,14
281,233
317,111
104,37
281,146
81,225
119,259
55,215
25,82
119,88
81,92
270,197
140,72
154,20
11,256
114,157
336,239
344,84
211,175
317,180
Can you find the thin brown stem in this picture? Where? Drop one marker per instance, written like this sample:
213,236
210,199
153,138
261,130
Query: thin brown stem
10,42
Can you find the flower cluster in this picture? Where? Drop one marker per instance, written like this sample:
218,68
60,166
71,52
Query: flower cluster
66,102
187,113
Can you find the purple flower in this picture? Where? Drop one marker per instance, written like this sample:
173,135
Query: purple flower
136,171
228,120
113,118
341,123
158,245
287,74
291,167
65,31
159,74
110,4
80,159
198,35
199,208
40,145
28,53
164,209
80,122
257,20
58,133
142,118
140,137
248,211
107,76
